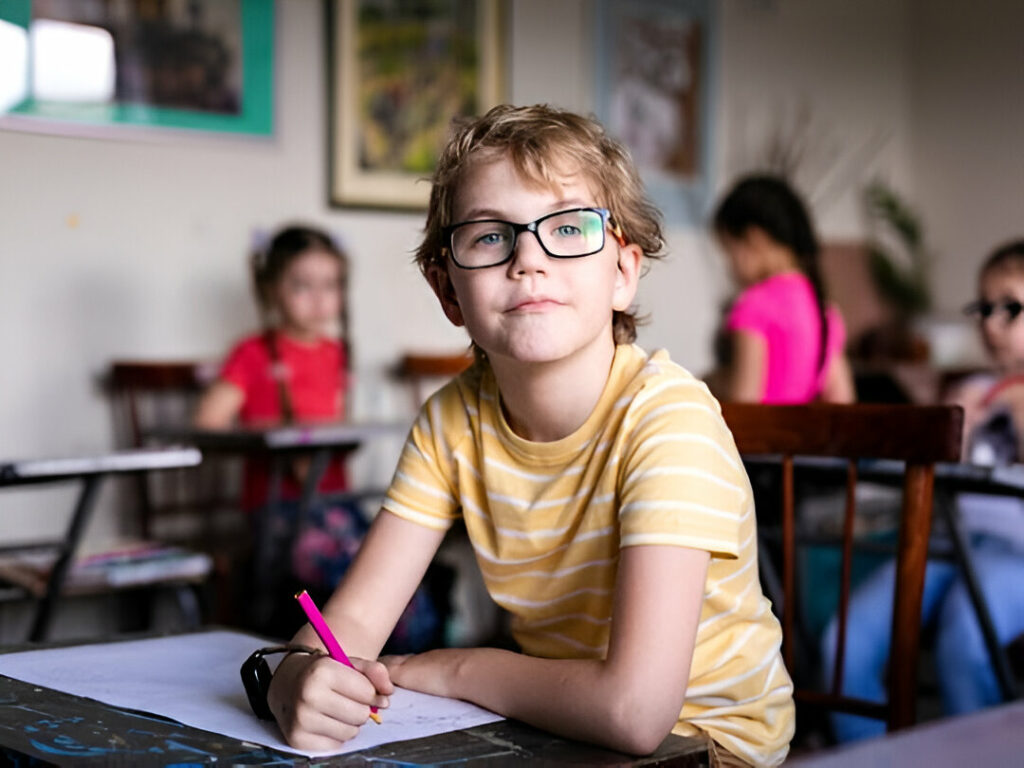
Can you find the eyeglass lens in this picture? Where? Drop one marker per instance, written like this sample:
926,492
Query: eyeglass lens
985,309
565,234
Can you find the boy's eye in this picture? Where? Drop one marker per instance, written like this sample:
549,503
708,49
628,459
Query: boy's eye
568,230
490,239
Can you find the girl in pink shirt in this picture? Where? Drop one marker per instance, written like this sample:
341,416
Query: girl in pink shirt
784,343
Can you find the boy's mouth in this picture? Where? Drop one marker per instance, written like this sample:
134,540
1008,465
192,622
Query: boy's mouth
534,304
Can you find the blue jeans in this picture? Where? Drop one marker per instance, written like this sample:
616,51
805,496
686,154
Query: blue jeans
966,679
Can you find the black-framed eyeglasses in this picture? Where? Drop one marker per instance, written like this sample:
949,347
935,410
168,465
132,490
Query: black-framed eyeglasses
984,309
568,234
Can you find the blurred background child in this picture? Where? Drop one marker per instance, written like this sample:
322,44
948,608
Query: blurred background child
295,370
994,422
780,341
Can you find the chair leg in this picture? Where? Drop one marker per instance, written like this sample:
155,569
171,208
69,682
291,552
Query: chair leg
189,605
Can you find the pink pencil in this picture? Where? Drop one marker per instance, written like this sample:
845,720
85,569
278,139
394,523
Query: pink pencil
334,649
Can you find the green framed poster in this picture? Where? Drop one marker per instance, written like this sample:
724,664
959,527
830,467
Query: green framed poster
103,68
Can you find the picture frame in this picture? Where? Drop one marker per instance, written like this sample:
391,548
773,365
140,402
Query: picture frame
399,73
206,68
654,90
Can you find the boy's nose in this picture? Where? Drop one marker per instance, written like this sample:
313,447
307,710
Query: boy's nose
527,254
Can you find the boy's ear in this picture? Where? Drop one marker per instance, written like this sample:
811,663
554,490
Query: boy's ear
631,259
441,283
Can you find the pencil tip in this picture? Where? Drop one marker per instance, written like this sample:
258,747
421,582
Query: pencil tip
375,717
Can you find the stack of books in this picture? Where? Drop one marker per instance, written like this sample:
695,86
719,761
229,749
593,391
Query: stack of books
123,565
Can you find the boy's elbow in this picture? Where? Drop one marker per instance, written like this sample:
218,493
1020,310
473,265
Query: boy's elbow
638,728
636,736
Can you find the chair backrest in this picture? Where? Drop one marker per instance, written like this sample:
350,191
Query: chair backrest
151,394
917,435
424,373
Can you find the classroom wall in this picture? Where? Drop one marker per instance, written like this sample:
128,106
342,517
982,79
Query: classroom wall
967,87
113,249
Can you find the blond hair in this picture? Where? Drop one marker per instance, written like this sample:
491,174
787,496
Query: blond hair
543,143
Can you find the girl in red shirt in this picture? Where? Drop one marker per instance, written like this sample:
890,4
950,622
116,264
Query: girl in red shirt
295,371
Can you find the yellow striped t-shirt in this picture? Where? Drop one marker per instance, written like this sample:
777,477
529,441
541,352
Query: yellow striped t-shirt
653,464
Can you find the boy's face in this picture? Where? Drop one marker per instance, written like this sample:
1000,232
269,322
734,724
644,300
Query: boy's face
534,308
1002,334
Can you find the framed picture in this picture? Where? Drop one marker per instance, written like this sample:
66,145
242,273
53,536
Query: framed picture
109,69
653,93
400,71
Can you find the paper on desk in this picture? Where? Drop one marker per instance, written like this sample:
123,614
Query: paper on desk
194,680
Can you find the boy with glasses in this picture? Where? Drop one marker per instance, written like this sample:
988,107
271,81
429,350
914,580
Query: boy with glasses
601,490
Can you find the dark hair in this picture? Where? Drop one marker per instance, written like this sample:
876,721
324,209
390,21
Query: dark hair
269,265
1009,254
769,203
543,142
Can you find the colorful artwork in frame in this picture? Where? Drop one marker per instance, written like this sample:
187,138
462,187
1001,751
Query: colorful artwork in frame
111,69
654,87
401,70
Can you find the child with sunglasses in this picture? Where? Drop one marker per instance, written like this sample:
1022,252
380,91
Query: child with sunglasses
994,425
600,487
989,399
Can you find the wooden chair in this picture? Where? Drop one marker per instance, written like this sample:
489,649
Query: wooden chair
917,435
188,505
424,373
198,508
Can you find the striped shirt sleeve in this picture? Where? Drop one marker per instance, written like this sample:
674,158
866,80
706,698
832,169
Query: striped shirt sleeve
682,480
423,489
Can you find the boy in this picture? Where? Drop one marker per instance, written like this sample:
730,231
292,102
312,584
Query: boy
601,490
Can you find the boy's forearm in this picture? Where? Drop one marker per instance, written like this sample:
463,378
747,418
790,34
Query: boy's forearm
585,699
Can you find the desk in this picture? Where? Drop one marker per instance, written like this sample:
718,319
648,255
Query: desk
950,479
992,737
282,444
90,470
41,725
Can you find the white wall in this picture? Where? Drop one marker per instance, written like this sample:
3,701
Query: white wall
968,128
829,74
119,248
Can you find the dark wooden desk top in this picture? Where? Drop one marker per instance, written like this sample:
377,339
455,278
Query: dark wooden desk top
956,476
40,726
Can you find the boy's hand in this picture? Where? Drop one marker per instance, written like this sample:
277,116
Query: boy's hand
432,672
319,703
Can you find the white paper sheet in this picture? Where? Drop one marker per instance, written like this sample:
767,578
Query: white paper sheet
194,680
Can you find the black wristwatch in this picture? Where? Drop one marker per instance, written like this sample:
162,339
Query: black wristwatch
256,676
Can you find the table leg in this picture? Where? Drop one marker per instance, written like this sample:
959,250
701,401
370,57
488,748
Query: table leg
264,565
83,508
964,560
